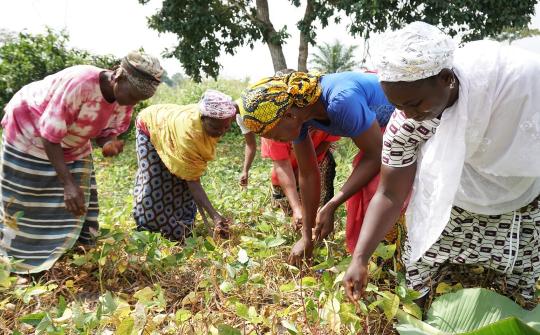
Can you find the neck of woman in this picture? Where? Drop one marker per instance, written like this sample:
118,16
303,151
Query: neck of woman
106,86
315,112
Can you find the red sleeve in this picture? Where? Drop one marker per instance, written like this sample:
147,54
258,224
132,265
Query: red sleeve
275,150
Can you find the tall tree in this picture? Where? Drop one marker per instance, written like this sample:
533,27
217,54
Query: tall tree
206,28
335,57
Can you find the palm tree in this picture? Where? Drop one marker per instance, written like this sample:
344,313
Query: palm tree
335,57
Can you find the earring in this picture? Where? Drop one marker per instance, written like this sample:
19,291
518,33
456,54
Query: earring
453,83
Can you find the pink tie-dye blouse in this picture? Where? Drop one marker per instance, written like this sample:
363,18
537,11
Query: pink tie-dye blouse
67,108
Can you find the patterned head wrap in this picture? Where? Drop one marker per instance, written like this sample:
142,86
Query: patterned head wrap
265,102
417,51
217,105
142,71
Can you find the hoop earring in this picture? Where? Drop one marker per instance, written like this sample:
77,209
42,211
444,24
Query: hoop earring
453,83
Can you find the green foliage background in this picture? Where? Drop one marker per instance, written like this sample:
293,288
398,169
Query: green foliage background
26,57
208,29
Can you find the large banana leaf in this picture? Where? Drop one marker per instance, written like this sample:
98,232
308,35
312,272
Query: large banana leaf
473,311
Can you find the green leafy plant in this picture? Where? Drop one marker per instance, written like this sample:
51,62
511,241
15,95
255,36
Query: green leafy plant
140,283
474,311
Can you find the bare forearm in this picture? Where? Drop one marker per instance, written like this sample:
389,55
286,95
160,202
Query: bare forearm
200,197
249,156
310,191
384,208
323,147
367,168
55,153
287,181
382,214
249,151
309,179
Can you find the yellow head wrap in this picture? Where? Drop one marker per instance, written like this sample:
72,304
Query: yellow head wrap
265,102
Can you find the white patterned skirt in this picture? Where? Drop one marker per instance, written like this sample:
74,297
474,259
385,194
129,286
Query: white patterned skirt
508,243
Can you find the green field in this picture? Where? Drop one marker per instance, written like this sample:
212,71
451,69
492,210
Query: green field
139,283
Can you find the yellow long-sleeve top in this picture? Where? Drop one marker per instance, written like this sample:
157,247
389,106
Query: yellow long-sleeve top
177,134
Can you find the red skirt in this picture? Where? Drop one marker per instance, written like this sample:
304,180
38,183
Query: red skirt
357,206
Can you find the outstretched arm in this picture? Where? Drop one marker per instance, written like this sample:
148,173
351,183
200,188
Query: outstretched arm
73,194
310,190
287,181
370,143
249,155
382,214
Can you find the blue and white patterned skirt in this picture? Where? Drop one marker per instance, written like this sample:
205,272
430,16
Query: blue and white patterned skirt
162,201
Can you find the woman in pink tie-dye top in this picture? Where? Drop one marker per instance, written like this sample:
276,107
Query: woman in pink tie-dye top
48,191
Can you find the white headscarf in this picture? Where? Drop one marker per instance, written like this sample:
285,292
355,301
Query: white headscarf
217,105
417,51
482,157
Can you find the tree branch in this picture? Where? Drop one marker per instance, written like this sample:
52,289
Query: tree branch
242,7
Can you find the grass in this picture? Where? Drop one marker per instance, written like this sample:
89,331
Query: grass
139,283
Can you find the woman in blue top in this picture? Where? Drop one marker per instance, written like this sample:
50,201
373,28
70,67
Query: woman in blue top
347,104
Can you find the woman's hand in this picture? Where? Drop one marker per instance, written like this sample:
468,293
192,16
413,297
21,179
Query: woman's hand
221,227
324,222
112,148
244,179
355,279
74,198
302,250
296,220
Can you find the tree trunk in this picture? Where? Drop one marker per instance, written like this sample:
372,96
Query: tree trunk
270,36
303,47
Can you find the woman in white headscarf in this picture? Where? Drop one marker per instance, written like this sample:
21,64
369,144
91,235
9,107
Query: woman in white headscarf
47,183
467,141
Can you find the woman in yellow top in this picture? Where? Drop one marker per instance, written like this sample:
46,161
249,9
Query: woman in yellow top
174,144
